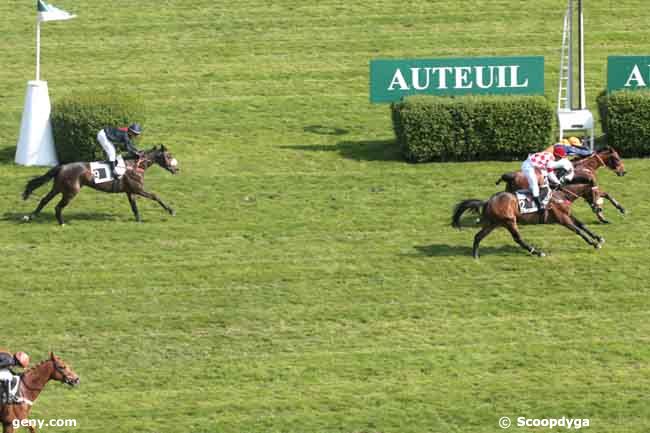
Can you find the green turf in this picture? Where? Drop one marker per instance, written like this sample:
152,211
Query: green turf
310,281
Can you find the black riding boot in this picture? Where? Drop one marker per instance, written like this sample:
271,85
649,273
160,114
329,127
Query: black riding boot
113,165
540,209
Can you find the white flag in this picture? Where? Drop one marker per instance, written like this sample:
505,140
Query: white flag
50,13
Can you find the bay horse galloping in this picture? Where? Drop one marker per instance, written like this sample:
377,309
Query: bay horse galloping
70,178
502,210
32,383
585,172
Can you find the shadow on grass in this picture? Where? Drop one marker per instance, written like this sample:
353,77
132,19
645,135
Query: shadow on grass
7,154
444,250
325,130
366,150
50,218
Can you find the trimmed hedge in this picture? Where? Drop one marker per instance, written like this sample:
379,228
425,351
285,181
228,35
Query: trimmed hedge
77,119
625,118
472,128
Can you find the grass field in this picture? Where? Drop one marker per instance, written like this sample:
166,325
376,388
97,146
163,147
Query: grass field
310,281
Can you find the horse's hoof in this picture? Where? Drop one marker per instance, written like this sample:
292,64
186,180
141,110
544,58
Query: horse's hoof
598,246
541,254
601,241
172,212
27,218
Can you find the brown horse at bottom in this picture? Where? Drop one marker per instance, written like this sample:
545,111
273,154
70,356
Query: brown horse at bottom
502,210
32,383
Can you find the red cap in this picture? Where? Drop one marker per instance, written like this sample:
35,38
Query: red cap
559,151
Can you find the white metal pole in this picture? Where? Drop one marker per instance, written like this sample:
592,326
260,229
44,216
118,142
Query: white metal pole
569,93
583,102
38,49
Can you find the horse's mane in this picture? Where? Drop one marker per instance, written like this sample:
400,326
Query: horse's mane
34,367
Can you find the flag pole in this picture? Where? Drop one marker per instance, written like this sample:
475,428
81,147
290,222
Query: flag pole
38,49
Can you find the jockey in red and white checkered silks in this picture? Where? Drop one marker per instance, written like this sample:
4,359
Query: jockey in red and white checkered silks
547,163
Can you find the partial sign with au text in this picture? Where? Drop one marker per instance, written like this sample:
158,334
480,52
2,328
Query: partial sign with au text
628,73
391,80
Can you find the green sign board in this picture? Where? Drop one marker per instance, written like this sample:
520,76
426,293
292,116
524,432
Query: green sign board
391,80
628,72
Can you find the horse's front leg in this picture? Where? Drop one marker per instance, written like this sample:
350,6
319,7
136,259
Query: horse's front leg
578,228
134,206
584,228
152,196
611,199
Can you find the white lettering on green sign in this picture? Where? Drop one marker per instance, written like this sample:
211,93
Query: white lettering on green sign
460,77
392,80
636,77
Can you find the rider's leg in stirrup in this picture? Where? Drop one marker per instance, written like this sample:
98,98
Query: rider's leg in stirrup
533,187
109,149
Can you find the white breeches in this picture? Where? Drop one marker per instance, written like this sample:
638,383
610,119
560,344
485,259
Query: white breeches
108,147
5,374
531,175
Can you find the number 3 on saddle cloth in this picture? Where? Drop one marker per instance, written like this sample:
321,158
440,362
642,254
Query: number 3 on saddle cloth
526,202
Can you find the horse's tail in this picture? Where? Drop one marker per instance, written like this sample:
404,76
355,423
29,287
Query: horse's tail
39,181
475,205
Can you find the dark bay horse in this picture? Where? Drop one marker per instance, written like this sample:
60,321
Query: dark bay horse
32,383
585,172
502,210
70,178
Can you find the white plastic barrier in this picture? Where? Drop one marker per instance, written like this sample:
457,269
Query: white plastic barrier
36,144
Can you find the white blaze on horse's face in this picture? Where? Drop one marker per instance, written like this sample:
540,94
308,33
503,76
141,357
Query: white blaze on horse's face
173,162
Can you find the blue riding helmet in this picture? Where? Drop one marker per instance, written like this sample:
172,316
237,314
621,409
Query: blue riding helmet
135,128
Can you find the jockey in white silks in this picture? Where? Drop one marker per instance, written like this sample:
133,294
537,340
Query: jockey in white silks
109,138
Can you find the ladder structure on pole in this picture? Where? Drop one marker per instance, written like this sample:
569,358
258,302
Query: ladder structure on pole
572,119
565,92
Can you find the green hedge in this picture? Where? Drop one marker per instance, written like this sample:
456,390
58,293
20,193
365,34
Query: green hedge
625,118
472,127
77,119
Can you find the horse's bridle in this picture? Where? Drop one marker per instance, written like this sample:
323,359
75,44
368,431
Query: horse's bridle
61,371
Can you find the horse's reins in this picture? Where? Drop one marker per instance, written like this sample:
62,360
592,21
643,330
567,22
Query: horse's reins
569,192
595,155
139,164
